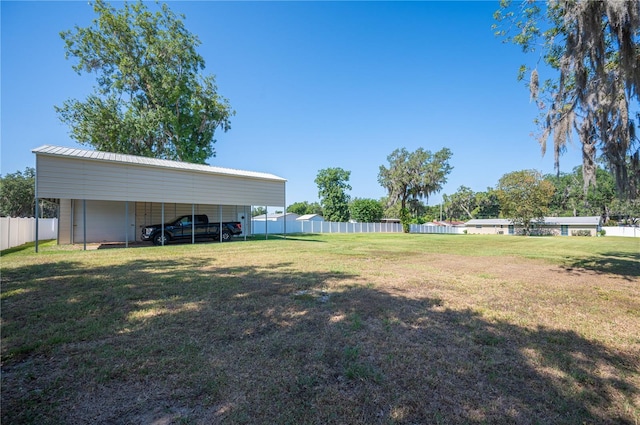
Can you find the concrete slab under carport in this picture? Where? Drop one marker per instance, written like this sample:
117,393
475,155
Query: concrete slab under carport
115,221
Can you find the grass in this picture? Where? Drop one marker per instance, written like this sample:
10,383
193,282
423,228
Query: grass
317,329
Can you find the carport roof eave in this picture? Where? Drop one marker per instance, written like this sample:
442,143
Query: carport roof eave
82,154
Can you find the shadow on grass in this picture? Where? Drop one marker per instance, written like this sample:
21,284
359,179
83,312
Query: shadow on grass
193,341
143,244
623,264
23,247
306,237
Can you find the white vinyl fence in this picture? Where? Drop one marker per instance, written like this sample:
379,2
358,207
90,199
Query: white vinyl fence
18,231
430,228
277,227
258,227
628,231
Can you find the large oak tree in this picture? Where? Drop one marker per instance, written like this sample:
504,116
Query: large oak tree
593,51
151,98
460,205
414,175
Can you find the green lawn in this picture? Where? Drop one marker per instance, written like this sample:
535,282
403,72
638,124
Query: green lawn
361,328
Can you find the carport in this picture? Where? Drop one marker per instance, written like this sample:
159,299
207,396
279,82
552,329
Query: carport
108,197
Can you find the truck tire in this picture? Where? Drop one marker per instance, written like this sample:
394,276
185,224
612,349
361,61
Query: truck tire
158,238
226,236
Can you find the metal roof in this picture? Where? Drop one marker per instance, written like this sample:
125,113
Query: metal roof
309,217
488,222
590,221
152,162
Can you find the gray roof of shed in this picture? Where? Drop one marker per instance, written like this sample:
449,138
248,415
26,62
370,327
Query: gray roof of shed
488,222
309,217
153,162
578,221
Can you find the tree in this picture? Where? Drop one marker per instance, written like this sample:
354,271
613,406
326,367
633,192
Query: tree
416,209
302,208
524,197
600,197
570,199
391,209
332,184
414,175
567,195
256,211
431,213
626,211
366,210
17,192
17,196
150,98
487,204
593,46
461,204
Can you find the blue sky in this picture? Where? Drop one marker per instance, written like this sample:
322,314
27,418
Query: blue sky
314,85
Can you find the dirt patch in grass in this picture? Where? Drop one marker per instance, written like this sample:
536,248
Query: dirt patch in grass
308,333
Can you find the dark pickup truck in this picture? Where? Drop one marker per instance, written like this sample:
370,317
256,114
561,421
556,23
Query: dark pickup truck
182,228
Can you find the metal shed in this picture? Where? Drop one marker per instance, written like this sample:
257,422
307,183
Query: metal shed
108,197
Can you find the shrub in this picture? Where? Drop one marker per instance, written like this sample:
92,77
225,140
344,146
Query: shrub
542,232
405,219
581,233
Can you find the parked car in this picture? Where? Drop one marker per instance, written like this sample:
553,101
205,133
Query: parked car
182,228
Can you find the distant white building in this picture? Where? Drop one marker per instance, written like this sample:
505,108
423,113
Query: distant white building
390,220
560,226
310,217
448,223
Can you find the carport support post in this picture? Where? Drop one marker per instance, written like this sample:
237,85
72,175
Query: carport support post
244,222
220,228
126,224
84,223
266,222
72,223
36,196
193,224
162,225
36,222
